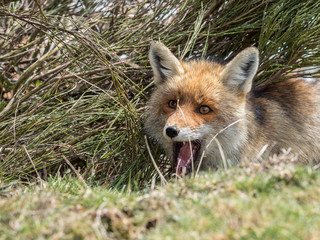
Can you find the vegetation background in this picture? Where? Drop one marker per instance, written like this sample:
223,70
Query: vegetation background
74,80
74,75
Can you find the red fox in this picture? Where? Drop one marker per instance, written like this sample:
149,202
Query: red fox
202,111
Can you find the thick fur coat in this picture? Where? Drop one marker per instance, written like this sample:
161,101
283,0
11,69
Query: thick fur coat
203,111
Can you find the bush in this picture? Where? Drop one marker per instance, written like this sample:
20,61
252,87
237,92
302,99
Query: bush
74,75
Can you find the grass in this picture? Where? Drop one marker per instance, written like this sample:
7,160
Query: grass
279,201
75,77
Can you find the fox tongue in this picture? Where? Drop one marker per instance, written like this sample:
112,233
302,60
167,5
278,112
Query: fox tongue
184,158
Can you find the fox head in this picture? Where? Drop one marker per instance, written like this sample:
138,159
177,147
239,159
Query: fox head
197,106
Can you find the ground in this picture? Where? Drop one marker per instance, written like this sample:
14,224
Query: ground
256,201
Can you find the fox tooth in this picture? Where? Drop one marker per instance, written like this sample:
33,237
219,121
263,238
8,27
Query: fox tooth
184,170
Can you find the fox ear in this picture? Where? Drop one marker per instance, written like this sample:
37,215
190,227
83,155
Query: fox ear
238,73
164,64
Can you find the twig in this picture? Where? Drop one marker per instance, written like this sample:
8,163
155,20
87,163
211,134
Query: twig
76,172
163,180
52,71
14,123
224,161
262,151
34,167
202,155
189,140
9,105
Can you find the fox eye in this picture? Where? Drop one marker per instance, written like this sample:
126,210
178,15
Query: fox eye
172,104
204,109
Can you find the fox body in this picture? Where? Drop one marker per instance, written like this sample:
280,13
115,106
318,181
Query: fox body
202,112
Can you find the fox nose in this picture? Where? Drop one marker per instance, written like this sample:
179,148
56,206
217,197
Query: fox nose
172,132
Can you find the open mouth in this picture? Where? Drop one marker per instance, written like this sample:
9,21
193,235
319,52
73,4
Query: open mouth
185,156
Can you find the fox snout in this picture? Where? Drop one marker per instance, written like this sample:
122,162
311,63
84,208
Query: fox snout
171,131
182,134
185,149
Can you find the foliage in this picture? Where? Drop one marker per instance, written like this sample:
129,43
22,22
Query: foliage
275,202
74,75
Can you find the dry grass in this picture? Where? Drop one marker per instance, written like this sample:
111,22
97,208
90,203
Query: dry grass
74,75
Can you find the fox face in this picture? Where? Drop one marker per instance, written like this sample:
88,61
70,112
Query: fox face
198,106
